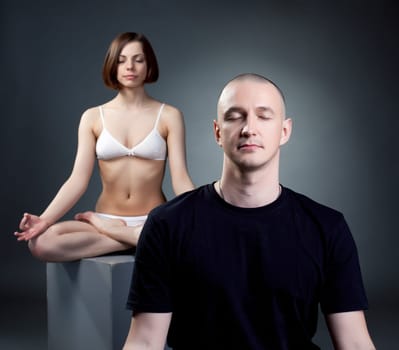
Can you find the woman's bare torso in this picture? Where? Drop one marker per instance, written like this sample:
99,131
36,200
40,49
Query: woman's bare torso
132,186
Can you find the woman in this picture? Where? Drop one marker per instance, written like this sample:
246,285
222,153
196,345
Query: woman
131,135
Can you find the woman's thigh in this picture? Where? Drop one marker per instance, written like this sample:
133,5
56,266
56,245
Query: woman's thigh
72,240
71,226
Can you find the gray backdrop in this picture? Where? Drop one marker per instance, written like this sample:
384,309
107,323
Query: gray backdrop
337,65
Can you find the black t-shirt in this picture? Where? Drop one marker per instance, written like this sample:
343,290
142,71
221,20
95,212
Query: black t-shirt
245,278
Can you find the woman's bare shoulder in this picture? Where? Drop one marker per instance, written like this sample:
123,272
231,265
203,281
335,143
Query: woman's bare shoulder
171,119
91,114
171,111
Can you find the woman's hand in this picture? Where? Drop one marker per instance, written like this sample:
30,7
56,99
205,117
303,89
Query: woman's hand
31,226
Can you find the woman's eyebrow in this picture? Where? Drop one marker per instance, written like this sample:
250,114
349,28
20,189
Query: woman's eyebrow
138,54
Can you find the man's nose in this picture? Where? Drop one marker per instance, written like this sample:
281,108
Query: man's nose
249,127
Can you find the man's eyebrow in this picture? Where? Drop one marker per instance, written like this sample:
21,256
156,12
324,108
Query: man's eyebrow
242,111
264,109
235,109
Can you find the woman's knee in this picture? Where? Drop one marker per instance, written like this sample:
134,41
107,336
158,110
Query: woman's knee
44,246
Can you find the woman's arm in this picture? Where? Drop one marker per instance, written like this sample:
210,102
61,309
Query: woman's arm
73,188
349,331
181,181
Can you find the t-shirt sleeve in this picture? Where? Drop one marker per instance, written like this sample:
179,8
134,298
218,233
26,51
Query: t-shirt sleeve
343,288
150,285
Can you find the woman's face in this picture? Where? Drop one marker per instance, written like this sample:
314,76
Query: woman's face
132,65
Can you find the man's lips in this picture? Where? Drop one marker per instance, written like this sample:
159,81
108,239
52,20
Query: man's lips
249,146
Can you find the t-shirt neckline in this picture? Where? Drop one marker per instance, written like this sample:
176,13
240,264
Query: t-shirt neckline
265,208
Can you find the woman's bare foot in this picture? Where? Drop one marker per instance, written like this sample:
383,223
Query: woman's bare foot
137,231
103,225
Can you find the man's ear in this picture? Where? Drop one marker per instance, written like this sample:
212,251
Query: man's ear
216,132
286,131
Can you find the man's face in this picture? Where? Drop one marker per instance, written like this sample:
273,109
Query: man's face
251,124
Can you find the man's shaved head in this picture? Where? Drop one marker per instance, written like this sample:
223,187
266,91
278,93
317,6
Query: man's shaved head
249,77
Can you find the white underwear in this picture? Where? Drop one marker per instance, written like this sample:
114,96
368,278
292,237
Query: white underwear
130,220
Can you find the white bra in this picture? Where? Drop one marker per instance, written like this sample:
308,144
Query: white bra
153,146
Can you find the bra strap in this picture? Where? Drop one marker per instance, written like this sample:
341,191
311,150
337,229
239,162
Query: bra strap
159,115
102,115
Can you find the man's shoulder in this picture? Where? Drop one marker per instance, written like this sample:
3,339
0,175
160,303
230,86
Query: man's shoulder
312,207
182,201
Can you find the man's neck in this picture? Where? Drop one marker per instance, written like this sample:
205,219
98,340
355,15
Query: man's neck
248,190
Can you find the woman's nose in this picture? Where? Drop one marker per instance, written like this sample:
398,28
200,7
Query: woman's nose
130,65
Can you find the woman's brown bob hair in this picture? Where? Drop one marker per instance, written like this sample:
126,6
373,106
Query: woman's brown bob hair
110,65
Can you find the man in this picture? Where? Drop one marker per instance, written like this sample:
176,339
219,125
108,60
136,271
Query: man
244,263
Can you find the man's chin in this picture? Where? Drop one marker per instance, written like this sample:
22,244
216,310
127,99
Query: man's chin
249,166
